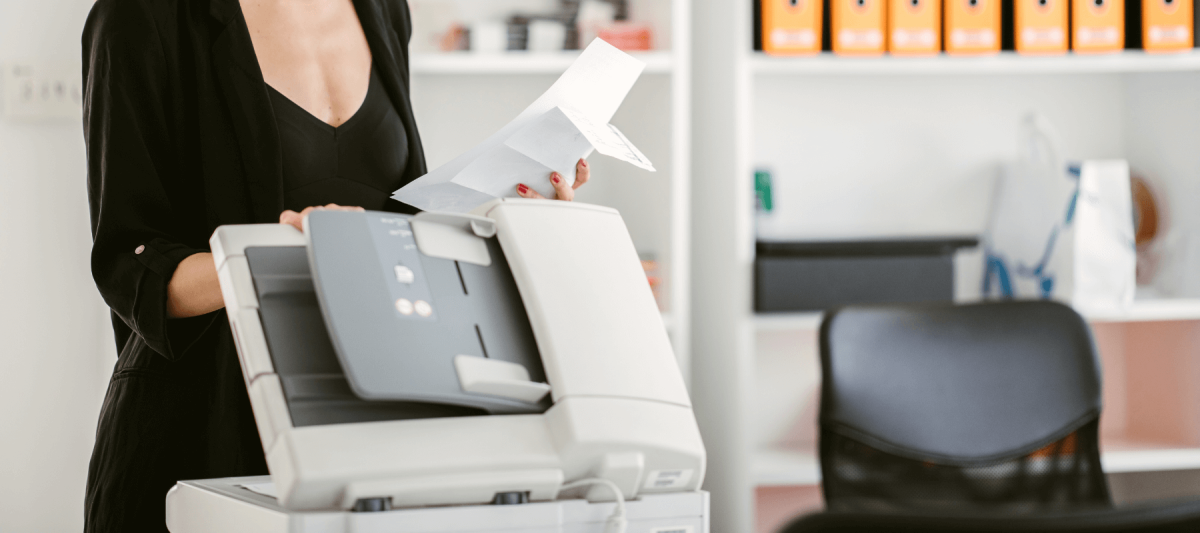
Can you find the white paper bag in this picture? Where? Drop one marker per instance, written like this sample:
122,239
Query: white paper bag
1061,232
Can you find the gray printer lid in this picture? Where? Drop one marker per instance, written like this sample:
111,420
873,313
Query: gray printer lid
344,350
367,269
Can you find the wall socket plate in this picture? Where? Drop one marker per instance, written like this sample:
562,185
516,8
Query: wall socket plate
41,91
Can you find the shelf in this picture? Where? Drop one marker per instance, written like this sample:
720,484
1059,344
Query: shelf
1163,310
1124,461
1004,63
787,321
519,62
773,467
1151,311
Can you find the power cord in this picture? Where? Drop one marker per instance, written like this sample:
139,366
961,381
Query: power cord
616,522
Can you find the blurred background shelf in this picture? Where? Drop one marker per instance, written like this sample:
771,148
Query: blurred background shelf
1159,310
1150,460
777,467
1004,63
661,62
1156,310
799,466
801,320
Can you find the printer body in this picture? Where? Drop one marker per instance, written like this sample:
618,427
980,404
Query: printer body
441,362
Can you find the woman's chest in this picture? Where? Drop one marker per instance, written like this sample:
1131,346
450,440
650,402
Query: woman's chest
313,52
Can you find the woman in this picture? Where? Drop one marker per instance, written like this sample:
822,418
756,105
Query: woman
200,113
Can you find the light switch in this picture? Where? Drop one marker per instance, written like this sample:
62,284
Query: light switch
41,91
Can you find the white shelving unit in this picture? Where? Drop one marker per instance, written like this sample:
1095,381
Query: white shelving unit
467,63
460,98
1004,63
1164,310
904,146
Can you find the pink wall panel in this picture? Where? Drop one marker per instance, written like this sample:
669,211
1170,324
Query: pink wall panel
776,506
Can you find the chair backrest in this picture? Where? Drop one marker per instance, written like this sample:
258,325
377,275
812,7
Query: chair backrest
943,407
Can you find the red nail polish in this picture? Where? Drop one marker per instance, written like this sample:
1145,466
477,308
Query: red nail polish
583,163
522,189
554,178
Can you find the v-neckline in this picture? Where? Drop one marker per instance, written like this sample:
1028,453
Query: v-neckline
326,125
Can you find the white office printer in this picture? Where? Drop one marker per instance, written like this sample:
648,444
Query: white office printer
414,374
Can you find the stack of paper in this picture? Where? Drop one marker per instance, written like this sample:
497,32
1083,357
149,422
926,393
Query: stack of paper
565,124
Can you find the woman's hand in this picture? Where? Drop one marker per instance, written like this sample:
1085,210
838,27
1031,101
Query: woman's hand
297,219
562,191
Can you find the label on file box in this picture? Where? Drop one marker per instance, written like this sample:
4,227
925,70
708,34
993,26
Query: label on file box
1097,36
793,38
861,38
973,38
920,37
1042,36
1168,35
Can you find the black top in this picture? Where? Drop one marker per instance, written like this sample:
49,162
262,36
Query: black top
181,138
358,163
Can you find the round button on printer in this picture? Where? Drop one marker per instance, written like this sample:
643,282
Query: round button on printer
405,307
423,308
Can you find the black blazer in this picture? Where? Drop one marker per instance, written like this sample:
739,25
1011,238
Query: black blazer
181,139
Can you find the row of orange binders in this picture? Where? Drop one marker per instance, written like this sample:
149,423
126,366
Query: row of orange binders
966,27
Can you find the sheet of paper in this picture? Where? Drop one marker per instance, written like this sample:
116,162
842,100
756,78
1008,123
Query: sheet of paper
608,140
593,87
552,142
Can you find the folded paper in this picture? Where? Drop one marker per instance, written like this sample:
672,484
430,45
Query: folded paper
567,123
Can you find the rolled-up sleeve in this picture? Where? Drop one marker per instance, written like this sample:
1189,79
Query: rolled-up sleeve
136,244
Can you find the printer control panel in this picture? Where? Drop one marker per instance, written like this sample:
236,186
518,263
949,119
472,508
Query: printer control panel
406,281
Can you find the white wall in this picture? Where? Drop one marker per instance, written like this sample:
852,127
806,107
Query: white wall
55,355
885,156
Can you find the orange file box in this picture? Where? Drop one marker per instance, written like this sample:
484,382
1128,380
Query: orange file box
972,27
857,26
1098,26
1041,26
791,27
914,27
1166,25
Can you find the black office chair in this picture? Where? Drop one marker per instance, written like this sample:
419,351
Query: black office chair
975,408
1163,517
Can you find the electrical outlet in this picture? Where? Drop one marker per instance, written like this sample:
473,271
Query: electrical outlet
40,91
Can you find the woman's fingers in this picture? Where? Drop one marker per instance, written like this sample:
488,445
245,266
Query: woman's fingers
296,220
562,190
335,207
526,192
292,218
582,173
